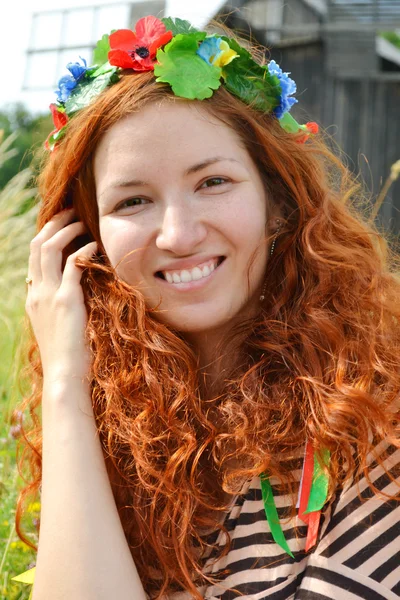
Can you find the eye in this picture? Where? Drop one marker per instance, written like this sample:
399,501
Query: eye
214,182
130,202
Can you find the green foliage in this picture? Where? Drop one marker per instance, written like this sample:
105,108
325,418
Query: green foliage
178,26
189,75
83,94
15,556
17,227
100,53
18,212
56,137
246,79
32,133
392,37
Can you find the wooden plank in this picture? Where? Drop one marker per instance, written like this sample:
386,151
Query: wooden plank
361,116
363,11
339,85
351,54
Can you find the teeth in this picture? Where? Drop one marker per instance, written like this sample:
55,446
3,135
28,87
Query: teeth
186,276
196,274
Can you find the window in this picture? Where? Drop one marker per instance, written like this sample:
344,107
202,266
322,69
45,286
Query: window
62,36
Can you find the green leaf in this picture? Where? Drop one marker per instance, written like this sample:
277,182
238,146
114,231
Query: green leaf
252,83
189,75
89,89
237,47
106,68
100,53
56,137
178,26
289,124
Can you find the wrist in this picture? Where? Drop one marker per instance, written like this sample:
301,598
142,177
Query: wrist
66,394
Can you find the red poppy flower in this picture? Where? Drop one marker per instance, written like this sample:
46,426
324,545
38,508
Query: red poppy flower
312,128
137,50
59,119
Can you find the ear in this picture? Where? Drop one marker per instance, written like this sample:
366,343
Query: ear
276,205
276,219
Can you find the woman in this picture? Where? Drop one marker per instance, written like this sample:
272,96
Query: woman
216,339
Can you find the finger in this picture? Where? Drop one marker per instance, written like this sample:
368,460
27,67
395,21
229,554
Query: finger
55,224
52,249
72,273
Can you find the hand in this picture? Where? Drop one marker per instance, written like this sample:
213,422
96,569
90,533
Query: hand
55,301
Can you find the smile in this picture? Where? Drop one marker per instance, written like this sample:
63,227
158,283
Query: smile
193,278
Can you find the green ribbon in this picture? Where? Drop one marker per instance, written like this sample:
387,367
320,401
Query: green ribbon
272,514
319,487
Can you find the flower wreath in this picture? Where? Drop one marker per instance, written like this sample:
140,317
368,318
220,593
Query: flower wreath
192,62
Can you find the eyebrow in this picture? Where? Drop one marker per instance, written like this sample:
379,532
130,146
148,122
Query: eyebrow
123,183
205,163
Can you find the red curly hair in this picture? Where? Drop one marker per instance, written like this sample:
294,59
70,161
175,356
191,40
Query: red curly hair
319,361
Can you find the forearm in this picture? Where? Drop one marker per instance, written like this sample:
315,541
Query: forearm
83,553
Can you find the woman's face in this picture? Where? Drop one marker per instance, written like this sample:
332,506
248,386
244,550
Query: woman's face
178,192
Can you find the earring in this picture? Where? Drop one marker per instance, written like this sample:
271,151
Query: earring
262,297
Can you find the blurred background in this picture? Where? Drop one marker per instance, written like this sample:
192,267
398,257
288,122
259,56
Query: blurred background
345,58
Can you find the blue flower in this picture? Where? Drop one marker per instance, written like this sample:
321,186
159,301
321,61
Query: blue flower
216,51
77,69
68,82
209,49
288,87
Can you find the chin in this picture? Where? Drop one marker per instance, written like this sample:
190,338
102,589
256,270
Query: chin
193,319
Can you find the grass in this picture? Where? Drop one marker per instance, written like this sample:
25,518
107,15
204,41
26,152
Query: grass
17,228
15,556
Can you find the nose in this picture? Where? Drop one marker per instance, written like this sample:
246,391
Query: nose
181,230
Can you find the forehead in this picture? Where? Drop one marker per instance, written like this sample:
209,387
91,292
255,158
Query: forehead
166,133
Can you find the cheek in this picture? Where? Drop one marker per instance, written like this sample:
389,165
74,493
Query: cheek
246,222
119,239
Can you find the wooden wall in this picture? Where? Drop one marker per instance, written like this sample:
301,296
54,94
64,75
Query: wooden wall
363,116
360,110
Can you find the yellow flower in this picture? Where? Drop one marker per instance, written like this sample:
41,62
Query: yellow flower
5,523
225,56
20,544
34,507
216,52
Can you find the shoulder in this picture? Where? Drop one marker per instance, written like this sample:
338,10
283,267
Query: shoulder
359,547
357,555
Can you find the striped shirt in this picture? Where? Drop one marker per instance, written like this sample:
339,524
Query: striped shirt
357,554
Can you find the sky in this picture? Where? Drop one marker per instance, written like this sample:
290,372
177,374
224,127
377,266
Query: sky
15,23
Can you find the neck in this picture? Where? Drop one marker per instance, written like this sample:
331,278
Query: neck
211,362
217,357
